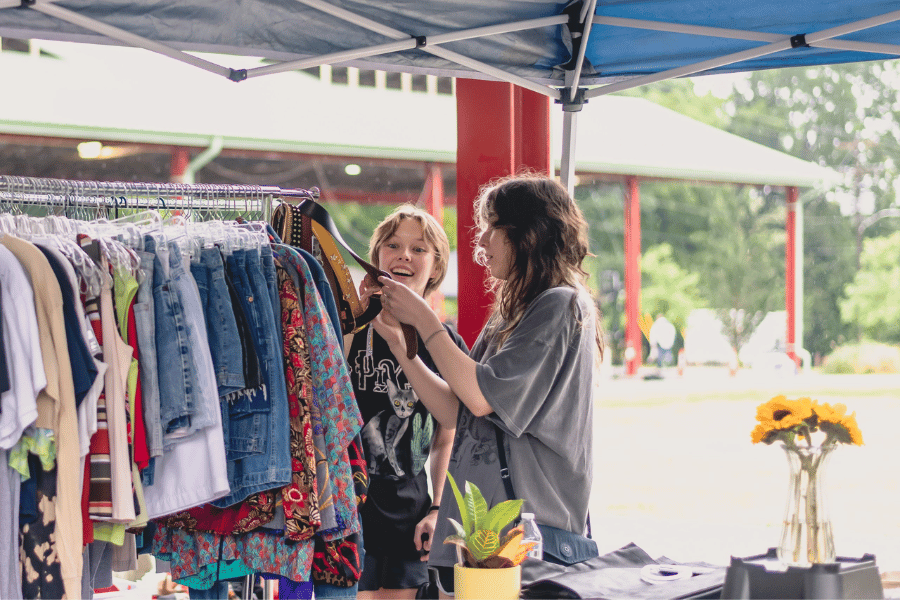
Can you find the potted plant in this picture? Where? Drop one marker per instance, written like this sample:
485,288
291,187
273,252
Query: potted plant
490,560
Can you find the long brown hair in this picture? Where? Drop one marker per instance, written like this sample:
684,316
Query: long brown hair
548,238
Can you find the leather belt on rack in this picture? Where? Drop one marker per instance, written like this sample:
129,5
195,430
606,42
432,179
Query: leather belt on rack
295,229
328,236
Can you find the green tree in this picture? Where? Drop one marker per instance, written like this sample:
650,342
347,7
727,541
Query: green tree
845,117
871,299
731,237
679,95
742,257
356,222
602,207
828,265
667,288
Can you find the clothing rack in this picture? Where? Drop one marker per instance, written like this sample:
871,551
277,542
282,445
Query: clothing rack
95,199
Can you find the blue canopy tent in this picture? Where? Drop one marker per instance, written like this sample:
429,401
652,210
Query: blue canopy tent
532,44
540,51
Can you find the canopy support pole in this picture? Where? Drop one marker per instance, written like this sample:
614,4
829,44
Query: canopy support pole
586,19
567,159
633,342
333,59
580,19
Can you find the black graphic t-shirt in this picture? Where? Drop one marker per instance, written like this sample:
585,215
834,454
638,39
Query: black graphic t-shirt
396,436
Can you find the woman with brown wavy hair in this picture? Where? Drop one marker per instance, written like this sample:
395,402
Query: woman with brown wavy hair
529,374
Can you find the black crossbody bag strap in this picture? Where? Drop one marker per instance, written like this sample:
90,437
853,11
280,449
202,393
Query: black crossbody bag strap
505,475
504,468
560,546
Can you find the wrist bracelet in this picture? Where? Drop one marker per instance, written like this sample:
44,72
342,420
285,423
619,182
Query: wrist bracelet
428,339
434,507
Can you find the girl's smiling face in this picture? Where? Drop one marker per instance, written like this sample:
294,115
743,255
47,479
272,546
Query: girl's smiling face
408,257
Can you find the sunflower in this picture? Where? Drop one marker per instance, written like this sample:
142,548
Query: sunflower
831,413
853,429
781,413
760,432
794,420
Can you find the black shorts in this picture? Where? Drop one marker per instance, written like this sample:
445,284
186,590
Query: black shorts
392,573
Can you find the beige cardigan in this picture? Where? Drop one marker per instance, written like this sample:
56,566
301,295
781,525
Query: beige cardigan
56,408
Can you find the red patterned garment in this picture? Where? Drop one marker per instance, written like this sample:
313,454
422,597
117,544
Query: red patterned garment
300,498
254,512
359,469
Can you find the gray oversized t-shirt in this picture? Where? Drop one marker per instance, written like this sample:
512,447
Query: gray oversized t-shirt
539,385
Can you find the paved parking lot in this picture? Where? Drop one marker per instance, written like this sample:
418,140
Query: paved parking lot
675,471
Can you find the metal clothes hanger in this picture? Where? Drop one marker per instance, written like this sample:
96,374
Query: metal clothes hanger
60,235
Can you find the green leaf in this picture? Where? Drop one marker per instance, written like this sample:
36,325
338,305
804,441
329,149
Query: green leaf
476,506
502,515
837,432
463,513
460,530
456,540
483,543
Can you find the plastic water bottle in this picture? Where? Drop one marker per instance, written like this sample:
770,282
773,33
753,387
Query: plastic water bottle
533,534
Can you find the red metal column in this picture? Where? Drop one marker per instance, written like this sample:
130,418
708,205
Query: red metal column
434,204
500,129
633,346
181,157
790,273
532,132
484,150
434,193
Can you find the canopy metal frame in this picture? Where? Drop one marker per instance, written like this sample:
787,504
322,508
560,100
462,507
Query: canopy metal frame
774,43
578,17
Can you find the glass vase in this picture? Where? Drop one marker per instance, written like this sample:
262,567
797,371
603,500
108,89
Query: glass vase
806,535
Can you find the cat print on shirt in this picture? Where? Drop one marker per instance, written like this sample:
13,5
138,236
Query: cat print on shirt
383,432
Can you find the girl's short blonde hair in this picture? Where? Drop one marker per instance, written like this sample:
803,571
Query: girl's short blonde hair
432,231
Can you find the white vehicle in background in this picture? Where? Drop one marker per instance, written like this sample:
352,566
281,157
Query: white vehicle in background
705,342
767,349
